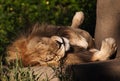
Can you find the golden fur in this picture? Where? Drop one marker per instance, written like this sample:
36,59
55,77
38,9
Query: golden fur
48,45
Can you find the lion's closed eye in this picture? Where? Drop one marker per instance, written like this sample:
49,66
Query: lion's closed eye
59,44
61,41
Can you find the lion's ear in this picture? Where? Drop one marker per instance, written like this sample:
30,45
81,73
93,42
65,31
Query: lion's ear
77,19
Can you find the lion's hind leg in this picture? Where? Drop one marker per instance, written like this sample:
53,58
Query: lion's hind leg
108,48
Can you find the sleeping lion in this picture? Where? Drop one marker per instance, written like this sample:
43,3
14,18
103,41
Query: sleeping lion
49,45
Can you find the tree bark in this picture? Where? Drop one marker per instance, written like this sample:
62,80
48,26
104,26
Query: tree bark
108,22
97,71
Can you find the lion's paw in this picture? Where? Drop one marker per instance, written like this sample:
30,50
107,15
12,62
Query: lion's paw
108,48
77,19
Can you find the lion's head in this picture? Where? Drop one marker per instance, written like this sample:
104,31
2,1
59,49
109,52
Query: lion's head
38,49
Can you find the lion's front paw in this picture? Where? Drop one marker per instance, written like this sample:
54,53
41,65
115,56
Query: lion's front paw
108,48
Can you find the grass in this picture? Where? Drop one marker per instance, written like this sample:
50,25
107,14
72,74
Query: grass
16,72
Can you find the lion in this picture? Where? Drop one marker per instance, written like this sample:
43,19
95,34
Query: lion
49,45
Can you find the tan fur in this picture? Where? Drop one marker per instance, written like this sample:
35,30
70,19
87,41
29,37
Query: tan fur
48,45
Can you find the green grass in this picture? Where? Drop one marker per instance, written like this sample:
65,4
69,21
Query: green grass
16,72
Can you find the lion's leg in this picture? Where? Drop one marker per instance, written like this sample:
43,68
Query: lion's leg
107,49
77,19
76,39
80,38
